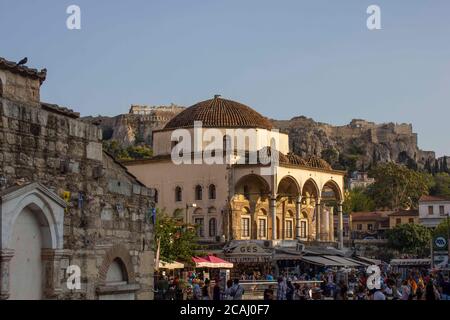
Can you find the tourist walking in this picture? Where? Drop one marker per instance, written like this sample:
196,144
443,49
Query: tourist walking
227,293
206,290
281,290
431,292
237,291
216,290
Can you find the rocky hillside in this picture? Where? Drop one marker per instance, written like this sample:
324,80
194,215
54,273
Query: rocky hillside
354,146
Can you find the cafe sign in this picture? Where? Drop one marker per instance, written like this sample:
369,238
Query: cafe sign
248,249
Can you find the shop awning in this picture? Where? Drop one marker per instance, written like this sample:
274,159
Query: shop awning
211,262
344,261
321,261
170,266
369,260
410,262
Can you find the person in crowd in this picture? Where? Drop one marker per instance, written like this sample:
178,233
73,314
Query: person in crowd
227,293
281,290
413,286
289,290
237,290
341,292
217,294
196,290
163,287
405,290
378,295
445,289
431,292
206,290
361,293
268,293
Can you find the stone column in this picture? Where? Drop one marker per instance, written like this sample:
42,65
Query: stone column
5,257
298,215
331,227
51,262
325,223
340,227
318,213
273,213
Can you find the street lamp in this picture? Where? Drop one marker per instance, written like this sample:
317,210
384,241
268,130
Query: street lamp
448,238
193,205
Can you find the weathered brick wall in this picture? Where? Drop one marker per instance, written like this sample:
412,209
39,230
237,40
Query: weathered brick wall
65,155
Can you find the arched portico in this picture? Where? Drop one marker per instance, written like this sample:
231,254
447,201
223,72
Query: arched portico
332,199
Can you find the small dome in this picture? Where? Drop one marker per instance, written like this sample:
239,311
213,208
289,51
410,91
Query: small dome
219,113
317,162
296,159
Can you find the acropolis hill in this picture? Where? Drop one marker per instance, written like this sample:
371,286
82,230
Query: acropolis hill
360,141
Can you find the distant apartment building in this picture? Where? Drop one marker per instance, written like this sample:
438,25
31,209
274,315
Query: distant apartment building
369,224
433,210
403,217
359,179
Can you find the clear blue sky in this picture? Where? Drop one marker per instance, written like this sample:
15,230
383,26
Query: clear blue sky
283,58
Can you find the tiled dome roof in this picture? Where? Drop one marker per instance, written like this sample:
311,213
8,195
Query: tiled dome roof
296,159
219,113
317,162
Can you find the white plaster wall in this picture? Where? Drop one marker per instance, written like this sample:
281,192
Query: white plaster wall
26,264
162,144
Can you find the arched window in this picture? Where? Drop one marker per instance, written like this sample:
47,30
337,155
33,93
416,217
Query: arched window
198,192
226,143
212,227
246,193
116,273
212,192
178,194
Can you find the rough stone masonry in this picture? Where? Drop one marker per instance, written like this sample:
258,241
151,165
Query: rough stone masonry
107,215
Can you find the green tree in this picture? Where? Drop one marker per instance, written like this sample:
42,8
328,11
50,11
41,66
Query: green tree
441,185
442,228
397,187
120,153
410,238
357,200
178,241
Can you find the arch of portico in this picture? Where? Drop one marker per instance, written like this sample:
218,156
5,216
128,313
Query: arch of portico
313,198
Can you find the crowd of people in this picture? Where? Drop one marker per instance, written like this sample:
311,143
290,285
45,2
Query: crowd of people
328,284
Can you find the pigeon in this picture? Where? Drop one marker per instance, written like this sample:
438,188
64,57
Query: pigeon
22,62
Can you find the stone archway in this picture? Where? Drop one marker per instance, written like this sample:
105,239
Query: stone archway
116,275
27,241
31,241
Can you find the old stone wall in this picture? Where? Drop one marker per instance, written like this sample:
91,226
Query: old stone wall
18,88
107,213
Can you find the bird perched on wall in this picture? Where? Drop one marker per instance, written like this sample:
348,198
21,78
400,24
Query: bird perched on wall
22,62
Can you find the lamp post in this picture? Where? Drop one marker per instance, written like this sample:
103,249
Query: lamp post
192,205
448,238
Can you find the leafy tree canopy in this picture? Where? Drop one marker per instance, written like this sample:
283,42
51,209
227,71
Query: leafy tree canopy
120,153
397,187
410,238
178,241
441,185
358,200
